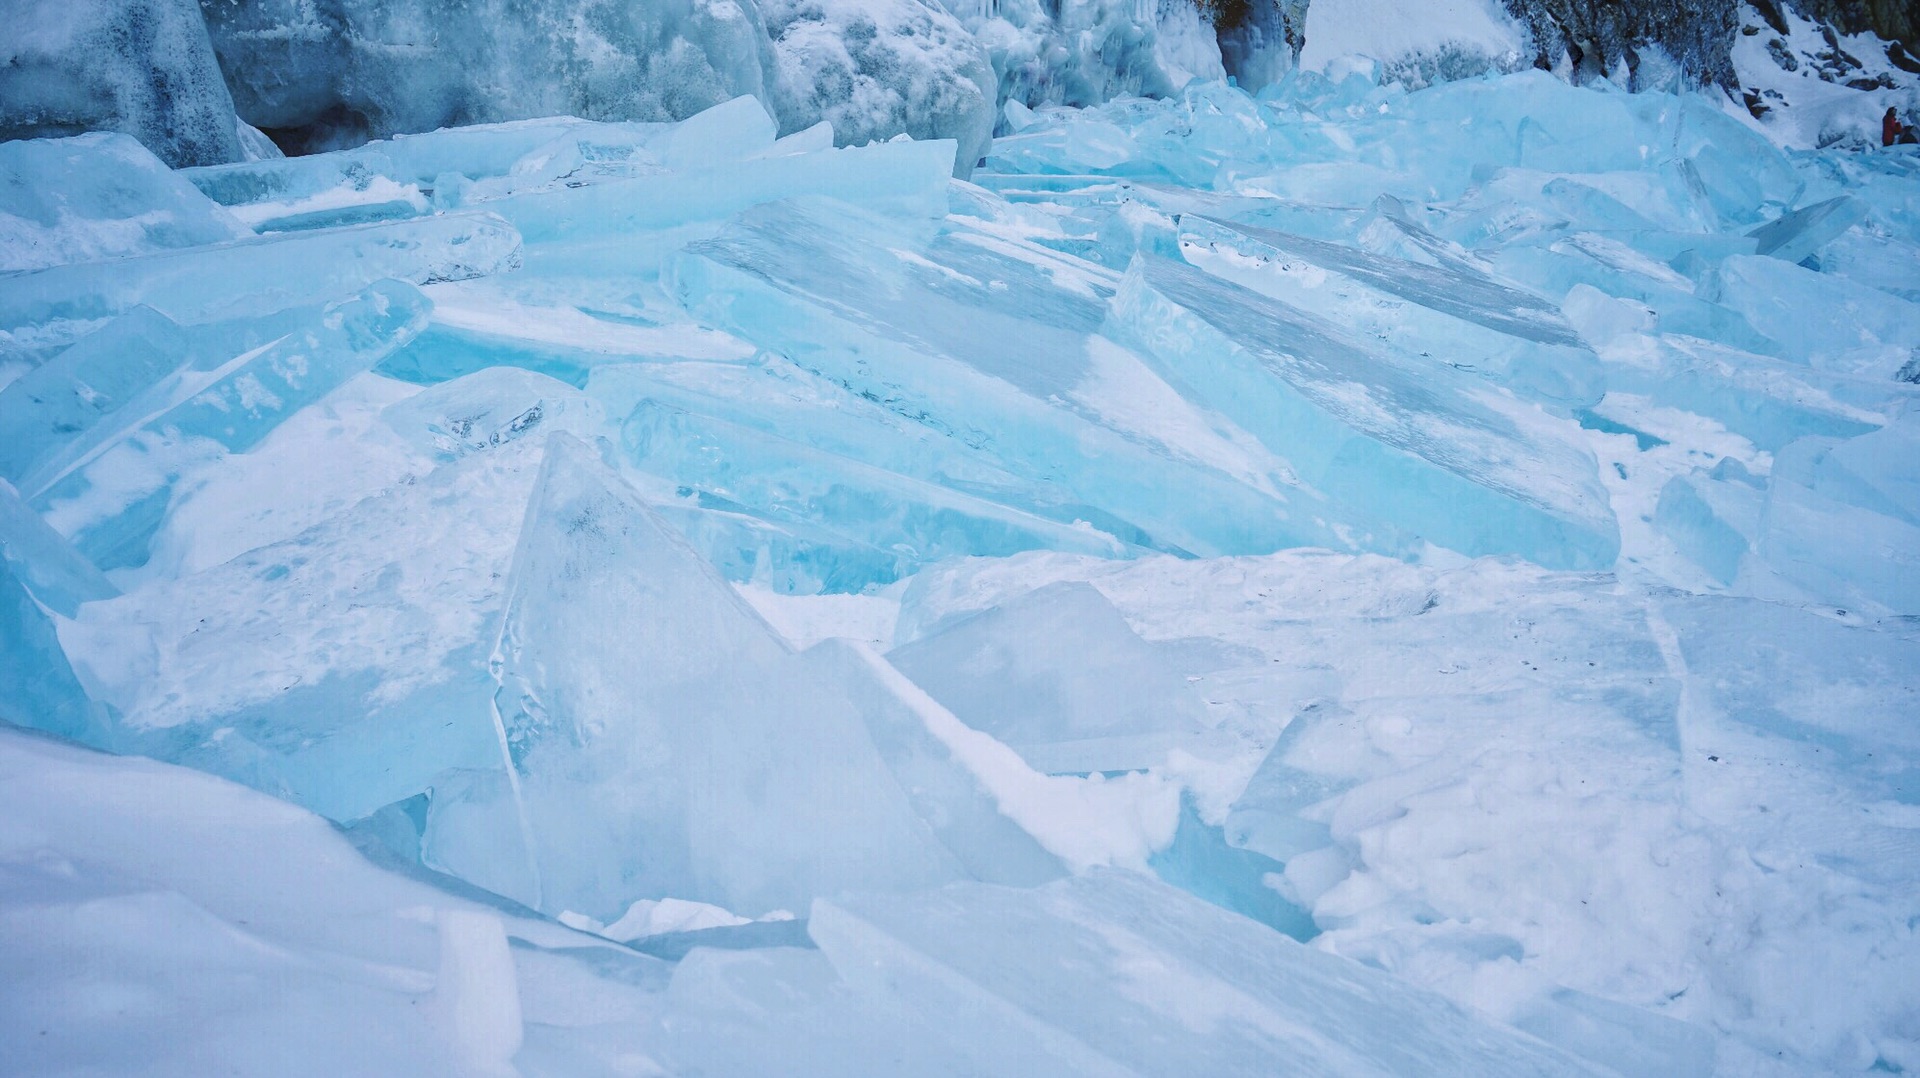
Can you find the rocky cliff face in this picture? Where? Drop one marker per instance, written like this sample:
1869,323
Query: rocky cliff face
1259,39
188,79
1893,20
1596,40
1690,42
143,67
1811,72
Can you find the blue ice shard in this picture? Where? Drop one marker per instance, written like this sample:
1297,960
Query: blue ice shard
689,755
63,398
109,487
1694,516
783,481
1271,815
1060,677
1464,320
949,797
490,408
42,692
475,152
729,132
98,196
1557,265
1837,525
42,577
774,396
790,557
1408,455
344,668
1742,652
925,326
464,166
908,178
1818,319
1453,289
1795,236
42,560
258,276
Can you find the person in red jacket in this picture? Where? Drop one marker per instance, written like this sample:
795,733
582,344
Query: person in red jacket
1893,132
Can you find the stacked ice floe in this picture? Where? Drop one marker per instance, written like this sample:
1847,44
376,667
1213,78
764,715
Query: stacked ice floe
847,620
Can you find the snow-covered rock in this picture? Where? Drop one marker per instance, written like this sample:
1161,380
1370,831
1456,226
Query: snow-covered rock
337,72
875,69
143,67
1811,86
1434,42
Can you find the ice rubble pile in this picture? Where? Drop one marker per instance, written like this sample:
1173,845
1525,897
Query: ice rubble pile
858,590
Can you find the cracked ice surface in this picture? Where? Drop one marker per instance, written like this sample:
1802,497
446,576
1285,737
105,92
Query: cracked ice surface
1351,580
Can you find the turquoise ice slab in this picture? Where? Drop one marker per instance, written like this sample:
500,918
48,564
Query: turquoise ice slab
689,754
96,196
992,345
1060,677
906,178
1407,455
1794,236
42,560
111,484
1450,289
63,398
344,668
262,275
786,481
1449,316
952,800
42,691
475,152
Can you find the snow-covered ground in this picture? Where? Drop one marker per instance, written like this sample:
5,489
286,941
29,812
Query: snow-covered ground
1349,579
1813,87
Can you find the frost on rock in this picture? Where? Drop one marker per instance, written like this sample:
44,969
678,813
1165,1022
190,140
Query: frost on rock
1418,44
245,80
876,70
142,67
332,74
1644,44
1083,52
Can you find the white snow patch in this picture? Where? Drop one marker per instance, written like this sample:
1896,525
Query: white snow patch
1389,30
